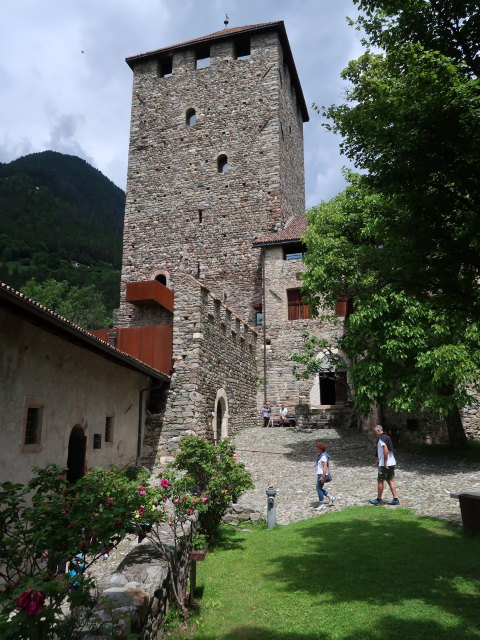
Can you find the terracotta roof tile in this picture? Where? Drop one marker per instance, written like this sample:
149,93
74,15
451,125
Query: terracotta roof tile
292,232
216,35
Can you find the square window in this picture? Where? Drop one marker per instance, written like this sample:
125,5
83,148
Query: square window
33,425
258,318
165,67
293,251
202,57
241,49
297,308
109,429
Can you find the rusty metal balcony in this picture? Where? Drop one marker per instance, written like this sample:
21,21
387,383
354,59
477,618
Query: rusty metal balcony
150,292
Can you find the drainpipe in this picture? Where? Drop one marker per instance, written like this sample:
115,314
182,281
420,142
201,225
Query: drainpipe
264,326
138,460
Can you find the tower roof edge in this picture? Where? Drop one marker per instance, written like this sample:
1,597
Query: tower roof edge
278,25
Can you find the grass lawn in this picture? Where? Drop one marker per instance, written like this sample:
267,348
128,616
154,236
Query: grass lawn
364,573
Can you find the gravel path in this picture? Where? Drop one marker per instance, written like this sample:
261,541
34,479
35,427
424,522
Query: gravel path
284,458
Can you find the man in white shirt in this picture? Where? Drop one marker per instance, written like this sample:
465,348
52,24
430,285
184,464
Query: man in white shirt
386,467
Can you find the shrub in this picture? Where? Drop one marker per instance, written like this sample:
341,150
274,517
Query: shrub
212,470
46,524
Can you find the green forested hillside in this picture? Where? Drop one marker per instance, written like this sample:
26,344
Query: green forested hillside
60,219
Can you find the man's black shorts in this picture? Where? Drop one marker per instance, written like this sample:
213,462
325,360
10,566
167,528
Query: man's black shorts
386,473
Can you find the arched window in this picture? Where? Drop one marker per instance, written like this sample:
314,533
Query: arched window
191,117
162,278
222,164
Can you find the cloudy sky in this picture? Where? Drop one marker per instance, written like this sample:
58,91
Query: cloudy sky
65,85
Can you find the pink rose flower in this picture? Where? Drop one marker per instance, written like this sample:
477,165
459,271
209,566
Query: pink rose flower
204,499
175,500
141,511
31,602
141,490
170,523
109,499
164,483
189,511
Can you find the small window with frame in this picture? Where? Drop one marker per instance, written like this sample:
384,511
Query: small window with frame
190,118
222,164
241,49
33,427
294,251
109,429
165,66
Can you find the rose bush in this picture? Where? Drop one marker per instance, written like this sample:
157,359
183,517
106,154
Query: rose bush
44,525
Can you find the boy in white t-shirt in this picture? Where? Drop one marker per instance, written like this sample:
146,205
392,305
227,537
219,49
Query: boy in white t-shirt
386,467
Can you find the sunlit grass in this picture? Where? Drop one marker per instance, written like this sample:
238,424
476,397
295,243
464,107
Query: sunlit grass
359,574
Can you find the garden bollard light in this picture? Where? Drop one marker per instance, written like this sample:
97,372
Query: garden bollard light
271,511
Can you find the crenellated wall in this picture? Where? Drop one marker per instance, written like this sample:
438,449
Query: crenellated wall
214,373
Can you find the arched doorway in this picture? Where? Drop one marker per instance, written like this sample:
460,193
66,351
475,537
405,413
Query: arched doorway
331,383
77,446
220,416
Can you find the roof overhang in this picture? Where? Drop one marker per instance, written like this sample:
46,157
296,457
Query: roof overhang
49,321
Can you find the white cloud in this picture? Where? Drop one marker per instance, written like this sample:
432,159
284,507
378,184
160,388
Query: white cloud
54,96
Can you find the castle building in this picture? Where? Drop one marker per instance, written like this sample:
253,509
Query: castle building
214,214
215,159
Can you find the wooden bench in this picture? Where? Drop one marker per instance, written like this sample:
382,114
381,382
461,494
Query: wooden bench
470,509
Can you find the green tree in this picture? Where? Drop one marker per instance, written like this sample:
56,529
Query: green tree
411,122
406,351
82,305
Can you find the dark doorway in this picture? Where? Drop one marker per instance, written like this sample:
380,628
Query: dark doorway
77,446
219,421
162,279
327,388
333,387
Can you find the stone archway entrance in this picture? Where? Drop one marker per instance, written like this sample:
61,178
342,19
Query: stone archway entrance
220,416
77,447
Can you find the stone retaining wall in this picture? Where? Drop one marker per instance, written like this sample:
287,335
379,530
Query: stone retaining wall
137,596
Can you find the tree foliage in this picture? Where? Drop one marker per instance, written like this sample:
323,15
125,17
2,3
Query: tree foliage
403,239
411,122
60,219
82,305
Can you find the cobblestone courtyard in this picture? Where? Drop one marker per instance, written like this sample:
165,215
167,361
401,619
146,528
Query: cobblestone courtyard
284,458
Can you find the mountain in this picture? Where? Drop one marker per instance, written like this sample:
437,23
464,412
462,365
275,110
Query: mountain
60,218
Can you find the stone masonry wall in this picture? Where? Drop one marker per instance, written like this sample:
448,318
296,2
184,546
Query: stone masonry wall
292,181
285,336
214,356
136,597
182,215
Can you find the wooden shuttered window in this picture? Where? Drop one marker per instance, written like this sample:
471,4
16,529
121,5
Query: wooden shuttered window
297,308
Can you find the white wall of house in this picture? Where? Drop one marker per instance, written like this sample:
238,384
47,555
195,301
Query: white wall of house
71,385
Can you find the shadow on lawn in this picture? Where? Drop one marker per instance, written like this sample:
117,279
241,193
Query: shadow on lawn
228,540
386,560
386,627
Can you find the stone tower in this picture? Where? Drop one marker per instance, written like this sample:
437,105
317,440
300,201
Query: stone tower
215,160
